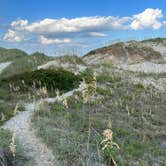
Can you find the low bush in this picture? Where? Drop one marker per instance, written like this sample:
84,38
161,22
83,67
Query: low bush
51,79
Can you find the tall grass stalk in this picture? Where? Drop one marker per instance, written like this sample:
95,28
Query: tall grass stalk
88,145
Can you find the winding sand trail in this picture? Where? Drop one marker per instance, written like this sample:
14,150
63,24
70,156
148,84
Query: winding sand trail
21,125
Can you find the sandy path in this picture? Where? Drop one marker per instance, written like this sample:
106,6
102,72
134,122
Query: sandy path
35,148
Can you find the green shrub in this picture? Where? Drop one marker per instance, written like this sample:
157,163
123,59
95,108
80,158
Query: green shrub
51,79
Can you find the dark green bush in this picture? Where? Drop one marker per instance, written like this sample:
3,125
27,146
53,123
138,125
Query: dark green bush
52,79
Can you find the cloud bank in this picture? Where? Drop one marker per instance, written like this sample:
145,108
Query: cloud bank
64,31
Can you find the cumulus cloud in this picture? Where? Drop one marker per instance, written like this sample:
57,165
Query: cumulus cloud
147,19
56,26
19,24
58,31
44,40
12,36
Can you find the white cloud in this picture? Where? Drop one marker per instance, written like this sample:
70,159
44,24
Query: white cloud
44,40
58,31
77,27
96,34
12,36
19,24
147,19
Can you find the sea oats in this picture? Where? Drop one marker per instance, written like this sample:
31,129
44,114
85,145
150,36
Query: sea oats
12,145
2,117
16,110
84,90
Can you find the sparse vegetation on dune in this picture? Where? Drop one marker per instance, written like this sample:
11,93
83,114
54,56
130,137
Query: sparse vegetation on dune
11,152
155,40
136,112
131,52
109,119
8,110
70,59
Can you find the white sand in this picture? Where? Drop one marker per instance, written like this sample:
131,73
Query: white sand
146,67
67,66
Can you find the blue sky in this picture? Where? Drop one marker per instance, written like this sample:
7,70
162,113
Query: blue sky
61,26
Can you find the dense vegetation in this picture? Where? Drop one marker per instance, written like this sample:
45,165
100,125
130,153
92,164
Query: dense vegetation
51,79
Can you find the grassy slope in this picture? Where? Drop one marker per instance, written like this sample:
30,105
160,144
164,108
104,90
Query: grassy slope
10,54
70,59
138,118
6,157
23,68
63,80
137,114
29,85
155,40
132,49
25,63
21,63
